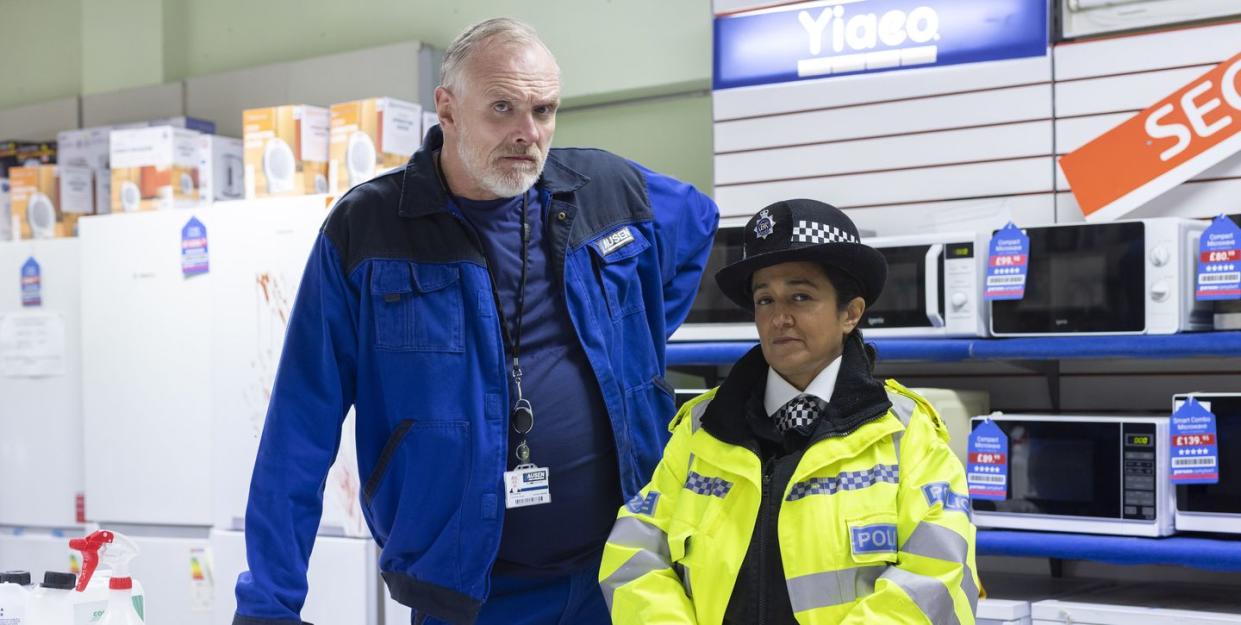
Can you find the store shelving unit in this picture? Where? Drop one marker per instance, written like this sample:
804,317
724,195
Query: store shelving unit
1217,554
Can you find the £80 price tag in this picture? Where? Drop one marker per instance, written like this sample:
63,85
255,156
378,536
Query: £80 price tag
1219,261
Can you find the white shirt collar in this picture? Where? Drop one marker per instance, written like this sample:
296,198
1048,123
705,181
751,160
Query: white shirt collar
780,392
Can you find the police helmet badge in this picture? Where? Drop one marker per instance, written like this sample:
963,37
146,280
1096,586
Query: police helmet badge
765,224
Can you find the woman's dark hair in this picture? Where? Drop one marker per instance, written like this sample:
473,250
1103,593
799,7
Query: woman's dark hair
847,288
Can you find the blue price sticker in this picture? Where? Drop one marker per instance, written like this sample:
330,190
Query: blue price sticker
1195,445
1219,261
32,283
1007,264
986,473
194,258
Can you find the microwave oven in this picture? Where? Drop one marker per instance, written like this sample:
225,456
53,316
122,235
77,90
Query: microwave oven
1215,507
1085,474
1124,277
933,288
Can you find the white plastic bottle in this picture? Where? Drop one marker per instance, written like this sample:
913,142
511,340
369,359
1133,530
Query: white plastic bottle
91,598
117,552
14,596
52,602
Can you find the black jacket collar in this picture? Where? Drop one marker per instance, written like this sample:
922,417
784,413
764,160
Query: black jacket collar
858,397
422,194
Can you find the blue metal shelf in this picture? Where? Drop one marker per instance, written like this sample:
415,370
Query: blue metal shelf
1200,553
1201,344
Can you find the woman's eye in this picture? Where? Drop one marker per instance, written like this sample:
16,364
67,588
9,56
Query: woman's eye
762,301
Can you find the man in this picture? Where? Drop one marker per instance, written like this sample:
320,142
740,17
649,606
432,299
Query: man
497,313
802,490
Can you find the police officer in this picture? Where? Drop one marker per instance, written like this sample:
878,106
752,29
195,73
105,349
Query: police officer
802,490
497,312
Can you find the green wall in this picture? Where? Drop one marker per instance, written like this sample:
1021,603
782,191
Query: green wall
634,72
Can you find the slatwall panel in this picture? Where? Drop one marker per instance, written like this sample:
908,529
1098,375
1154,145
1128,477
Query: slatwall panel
1100,84
945,148
39,122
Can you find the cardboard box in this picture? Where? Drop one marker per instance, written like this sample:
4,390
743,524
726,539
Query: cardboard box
36,153
88,147
369,137
286,150
155,169
36,204
222,169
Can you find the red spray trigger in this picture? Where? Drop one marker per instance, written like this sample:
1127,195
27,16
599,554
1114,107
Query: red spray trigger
90,547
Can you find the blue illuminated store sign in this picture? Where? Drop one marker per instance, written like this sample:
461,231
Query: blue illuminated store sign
819,39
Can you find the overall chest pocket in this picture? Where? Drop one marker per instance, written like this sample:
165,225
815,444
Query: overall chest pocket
615,256
417,307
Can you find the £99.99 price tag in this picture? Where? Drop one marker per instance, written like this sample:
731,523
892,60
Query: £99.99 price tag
1007,264
986,473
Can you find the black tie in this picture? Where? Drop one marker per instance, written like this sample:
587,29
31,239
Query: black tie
799,414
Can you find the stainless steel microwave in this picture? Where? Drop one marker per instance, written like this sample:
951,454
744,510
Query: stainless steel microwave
1124,277
1215,507
933,288
1086,474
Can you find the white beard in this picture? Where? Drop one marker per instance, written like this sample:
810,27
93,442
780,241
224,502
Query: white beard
497,181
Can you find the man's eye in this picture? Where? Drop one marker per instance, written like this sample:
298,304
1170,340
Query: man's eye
501,107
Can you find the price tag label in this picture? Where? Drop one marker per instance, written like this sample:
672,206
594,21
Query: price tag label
1194,445
1219,261
32,284
1007,264
986,473
194,258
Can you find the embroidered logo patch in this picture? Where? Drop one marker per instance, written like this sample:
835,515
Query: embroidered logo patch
615,241
640,505
765,225
877,538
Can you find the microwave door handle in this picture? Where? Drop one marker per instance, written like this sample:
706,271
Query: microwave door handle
932,286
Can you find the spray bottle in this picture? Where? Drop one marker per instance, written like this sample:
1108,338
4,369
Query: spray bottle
115,551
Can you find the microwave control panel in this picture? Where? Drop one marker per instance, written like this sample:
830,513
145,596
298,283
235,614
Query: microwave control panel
961,268
1140,445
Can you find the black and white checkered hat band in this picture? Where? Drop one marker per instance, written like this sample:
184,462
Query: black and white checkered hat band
816,233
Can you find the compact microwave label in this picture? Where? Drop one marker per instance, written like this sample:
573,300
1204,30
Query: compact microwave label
1195,445
1007,264
1170,142
1219,261
32,283
194,258
807,40
987,470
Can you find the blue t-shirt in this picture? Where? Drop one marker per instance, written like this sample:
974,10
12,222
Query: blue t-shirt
572,434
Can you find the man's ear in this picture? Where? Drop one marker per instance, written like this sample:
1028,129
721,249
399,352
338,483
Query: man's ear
853,314
444,108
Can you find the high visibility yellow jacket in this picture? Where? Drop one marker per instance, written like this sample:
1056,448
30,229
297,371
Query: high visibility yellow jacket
874,526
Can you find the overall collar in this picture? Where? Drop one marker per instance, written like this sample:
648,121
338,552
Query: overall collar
422,192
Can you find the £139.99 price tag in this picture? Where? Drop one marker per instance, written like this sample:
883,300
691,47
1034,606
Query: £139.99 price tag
1194,445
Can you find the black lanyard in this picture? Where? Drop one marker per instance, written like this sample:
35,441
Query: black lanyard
522,416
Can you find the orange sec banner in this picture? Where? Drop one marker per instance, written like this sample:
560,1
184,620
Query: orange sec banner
1174,140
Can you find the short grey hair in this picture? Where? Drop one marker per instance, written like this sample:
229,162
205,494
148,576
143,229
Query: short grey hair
503,29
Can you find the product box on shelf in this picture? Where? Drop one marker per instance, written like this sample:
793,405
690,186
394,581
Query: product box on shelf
221,169
286,150
90,148
370,136
36,204
37,153
155,168
6,214
189,123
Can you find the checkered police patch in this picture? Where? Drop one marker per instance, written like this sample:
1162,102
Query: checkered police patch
848,480
640,505
815,233
710,486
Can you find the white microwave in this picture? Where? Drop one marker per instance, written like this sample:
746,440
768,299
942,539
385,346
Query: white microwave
1123,277
1084,474
1215,507
933,287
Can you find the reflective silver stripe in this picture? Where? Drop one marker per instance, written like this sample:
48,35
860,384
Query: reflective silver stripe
640,564
970,589
821,590
903,406
928,593
683,572
695,414
936,541
635,533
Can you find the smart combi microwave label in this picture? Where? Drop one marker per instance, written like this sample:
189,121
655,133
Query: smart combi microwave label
815,39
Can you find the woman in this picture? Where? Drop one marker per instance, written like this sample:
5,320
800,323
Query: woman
802,490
